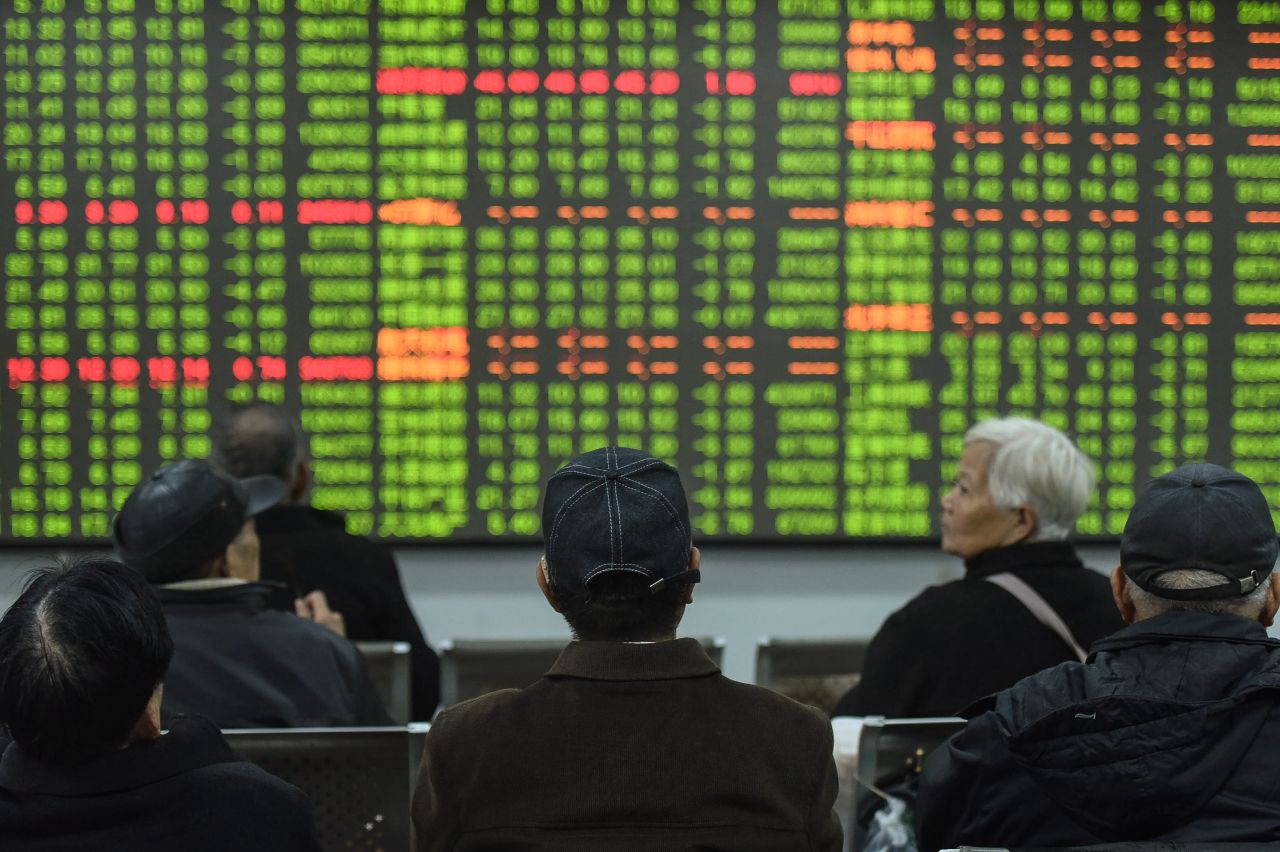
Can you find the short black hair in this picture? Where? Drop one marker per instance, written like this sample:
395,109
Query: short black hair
257,439
81,652
622,609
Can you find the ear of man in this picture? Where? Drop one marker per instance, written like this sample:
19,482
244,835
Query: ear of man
1272,602
543,574
695,562
220,567
544,583
300,487
148,725
1120,594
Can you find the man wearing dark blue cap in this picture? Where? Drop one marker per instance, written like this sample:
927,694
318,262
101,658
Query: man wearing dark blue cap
189,530
633,741
1169,730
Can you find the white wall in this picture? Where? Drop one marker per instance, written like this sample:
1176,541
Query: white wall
747,592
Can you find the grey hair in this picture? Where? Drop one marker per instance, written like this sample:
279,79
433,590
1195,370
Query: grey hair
1036,465
260,438
1148,604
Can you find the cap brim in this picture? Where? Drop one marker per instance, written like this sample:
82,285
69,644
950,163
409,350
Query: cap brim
262,492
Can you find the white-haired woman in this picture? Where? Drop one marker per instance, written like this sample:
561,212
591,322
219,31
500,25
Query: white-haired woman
1020,487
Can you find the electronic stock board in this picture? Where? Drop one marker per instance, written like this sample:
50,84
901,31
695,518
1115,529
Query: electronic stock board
794,247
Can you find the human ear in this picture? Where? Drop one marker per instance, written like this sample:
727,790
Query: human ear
695,562
544,583
1025,526
1120,594
221,567
1272,602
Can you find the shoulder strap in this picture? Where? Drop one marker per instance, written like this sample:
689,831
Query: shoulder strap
1038,607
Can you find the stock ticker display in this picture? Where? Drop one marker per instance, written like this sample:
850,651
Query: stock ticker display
794,247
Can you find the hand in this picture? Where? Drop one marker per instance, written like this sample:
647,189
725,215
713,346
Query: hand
315,607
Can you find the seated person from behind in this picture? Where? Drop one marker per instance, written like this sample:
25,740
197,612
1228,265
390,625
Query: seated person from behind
633,741
310,550
189,530
1169,732
1020,488
83,654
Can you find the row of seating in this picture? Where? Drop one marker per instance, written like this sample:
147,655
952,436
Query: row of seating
814,671
360,780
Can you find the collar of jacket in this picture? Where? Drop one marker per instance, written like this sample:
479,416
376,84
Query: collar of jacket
1181,625
244,597
678,658
190,744
295,518
1036,554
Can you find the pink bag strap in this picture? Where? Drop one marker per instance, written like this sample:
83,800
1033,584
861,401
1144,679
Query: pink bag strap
1038,607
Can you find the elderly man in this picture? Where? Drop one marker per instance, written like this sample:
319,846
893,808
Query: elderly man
189,530
83,656
1169,731
1026,602
633,741
310,550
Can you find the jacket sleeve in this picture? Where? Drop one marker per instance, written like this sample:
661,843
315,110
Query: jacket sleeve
956,787
435,819
825,834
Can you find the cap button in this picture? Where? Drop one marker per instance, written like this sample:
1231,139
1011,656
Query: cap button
611,474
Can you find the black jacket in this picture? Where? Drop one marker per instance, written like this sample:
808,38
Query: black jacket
184,791
1170,732
244,665
955,643
309,549
629,748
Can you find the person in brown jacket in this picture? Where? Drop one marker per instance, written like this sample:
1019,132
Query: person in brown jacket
633,741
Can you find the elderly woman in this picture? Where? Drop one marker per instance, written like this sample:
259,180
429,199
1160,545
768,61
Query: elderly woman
1019,489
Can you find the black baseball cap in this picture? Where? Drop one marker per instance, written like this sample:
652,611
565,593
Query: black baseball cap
1204,517
185,515
615,509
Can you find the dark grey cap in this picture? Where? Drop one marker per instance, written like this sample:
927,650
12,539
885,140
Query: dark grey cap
615,509
1203,517
185,515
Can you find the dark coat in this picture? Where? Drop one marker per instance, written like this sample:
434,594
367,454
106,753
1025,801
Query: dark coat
629,748
244,665
184,791
1169,732
309,549
955,643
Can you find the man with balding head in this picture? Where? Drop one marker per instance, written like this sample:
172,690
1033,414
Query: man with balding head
348,583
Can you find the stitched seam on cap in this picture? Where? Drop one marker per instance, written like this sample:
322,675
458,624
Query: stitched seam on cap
653,492
640,465
622,541
630,567
1197,534
583,469
608,503
577,495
